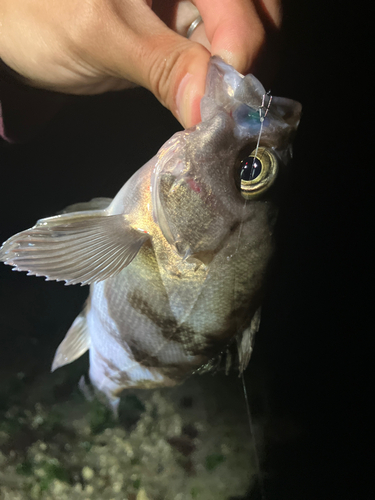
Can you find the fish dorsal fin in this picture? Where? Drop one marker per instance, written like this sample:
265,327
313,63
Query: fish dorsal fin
94,204
75,343
80,247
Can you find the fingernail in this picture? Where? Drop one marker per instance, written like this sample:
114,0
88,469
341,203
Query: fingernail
188,99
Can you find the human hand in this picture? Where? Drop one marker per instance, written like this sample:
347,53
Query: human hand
99,45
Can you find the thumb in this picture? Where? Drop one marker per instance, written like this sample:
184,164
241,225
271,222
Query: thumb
150,54
174,69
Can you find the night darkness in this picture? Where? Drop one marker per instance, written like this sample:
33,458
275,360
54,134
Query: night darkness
313,348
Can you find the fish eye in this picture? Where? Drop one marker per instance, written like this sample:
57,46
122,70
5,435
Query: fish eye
258,171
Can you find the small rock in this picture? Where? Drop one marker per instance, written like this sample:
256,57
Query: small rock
141,495
87,473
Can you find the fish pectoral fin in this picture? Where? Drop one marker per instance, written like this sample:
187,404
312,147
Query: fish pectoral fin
245,341
76,342
81,247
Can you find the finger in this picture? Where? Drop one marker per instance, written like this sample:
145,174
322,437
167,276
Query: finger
179,15
176,14
171,66
236,28
199,36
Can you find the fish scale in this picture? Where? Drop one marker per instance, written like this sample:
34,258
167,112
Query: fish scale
177,262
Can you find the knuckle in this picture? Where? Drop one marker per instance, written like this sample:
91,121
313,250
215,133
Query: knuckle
168,64
163,71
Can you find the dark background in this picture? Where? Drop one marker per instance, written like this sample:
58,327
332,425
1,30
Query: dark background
313,348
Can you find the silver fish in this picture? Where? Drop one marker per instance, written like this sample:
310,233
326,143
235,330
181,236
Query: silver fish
177,261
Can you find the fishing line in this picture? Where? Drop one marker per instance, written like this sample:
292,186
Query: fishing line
255,447
263,110
261,119
253,440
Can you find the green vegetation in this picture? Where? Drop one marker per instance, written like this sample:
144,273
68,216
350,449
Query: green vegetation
25,468
194,492
100,417
52,471
212,461
131,409
137,484
45,472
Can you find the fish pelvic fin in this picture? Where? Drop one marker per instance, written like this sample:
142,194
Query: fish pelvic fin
76,342
80,247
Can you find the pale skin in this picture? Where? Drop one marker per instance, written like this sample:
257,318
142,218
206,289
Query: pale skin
92,46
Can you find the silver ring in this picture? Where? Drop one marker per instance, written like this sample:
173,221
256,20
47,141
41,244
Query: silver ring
193,26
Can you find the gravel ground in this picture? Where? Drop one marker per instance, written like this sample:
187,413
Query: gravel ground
171,444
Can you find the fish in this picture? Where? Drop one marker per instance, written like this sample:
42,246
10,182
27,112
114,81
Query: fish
178,261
